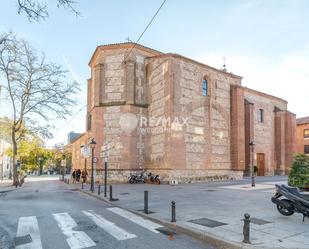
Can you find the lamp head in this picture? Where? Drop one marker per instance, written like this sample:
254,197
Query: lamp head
252,143
92,143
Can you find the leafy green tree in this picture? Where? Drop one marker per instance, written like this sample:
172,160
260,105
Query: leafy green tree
299,174
60,153
32,154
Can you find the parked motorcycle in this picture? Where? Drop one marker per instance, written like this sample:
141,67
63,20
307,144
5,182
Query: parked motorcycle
289,201
137,178
154,178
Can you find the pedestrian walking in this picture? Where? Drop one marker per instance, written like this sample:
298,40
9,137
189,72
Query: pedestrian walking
84,175
78,174
74,176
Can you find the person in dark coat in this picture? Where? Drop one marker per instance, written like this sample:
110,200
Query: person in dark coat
84,175
78,173
74,176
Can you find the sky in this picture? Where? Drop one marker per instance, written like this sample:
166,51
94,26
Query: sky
265,42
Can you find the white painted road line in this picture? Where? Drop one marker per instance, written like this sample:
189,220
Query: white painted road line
75,239
109,227
29,225
151,226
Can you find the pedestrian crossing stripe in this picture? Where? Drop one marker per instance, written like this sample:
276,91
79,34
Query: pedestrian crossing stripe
29,225
79,239
151,226
75,239
117,232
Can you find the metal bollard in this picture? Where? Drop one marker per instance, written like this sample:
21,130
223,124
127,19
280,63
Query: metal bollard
173,211
99,189
146,202
246,229
111,194
82,185
68,181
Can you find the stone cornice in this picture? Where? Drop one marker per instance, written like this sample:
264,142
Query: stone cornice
122,46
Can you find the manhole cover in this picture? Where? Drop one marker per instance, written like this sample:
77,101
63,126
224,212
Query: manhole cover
207,222
124,194
23,240
166,231
259,221
5,191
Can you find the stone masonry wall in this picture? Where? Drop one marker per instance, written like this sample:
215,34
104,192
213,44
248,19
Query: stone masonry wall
208,116
158,97
264,132
178,133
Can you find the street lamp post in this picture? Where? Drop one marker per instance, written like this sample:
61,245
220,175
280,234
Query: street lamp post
251,145
83,151
92,145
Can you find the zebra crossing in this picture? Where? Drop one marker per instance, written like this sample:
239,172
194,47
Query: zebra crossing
77,239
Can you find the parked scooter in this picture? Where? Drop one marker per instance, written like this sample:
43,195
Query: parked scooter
154,178
289,201
137,178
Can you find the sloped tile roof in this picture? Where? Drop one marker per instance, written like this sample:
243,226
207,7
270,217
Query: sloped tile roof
304,120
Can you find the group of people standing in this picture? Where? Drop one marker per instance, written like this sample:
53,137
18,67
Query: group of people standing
77,174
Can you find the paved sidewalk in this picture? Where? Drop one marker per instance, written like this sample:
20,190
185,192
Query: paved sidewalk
220,207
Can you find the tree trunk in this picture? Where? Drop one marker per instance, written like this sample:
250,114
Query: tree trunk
15,174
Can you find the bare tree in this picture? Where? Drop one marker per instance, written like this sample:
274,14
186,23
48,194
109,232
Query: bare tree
37,10
37,90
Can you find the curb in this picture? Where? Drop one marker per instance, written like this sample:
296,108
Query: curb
202,236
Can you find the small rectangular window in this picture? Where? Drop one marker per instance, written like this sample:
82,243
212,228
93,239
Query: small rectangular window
205,87
306,149
261,115
306,133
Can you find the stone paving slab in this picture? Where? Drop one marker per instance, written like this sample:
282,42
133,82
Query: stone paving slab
223,204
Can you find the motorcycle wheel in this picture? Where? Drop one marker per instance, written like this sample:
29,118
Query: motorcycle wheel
131,180
158,181
283,210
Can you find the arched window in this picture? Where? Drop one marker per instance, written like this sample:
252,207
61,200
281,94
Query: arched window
205,87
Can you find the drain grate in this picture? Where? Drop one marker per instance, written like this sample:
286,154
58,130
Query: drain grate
149,212
207,222
259,221
124,194
22,240
166,231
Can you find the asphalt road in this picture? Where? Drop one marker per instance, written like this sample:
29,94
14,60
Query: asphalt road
48,214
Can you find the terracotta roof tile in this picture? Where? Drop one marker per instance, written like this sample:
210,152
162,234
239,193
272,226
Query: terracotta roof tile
304,120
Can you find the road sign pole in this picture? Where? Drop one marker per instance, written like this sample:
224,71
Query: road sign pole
105,176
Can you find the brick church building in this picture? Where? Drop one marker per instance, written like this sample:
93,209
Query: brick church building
180,118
